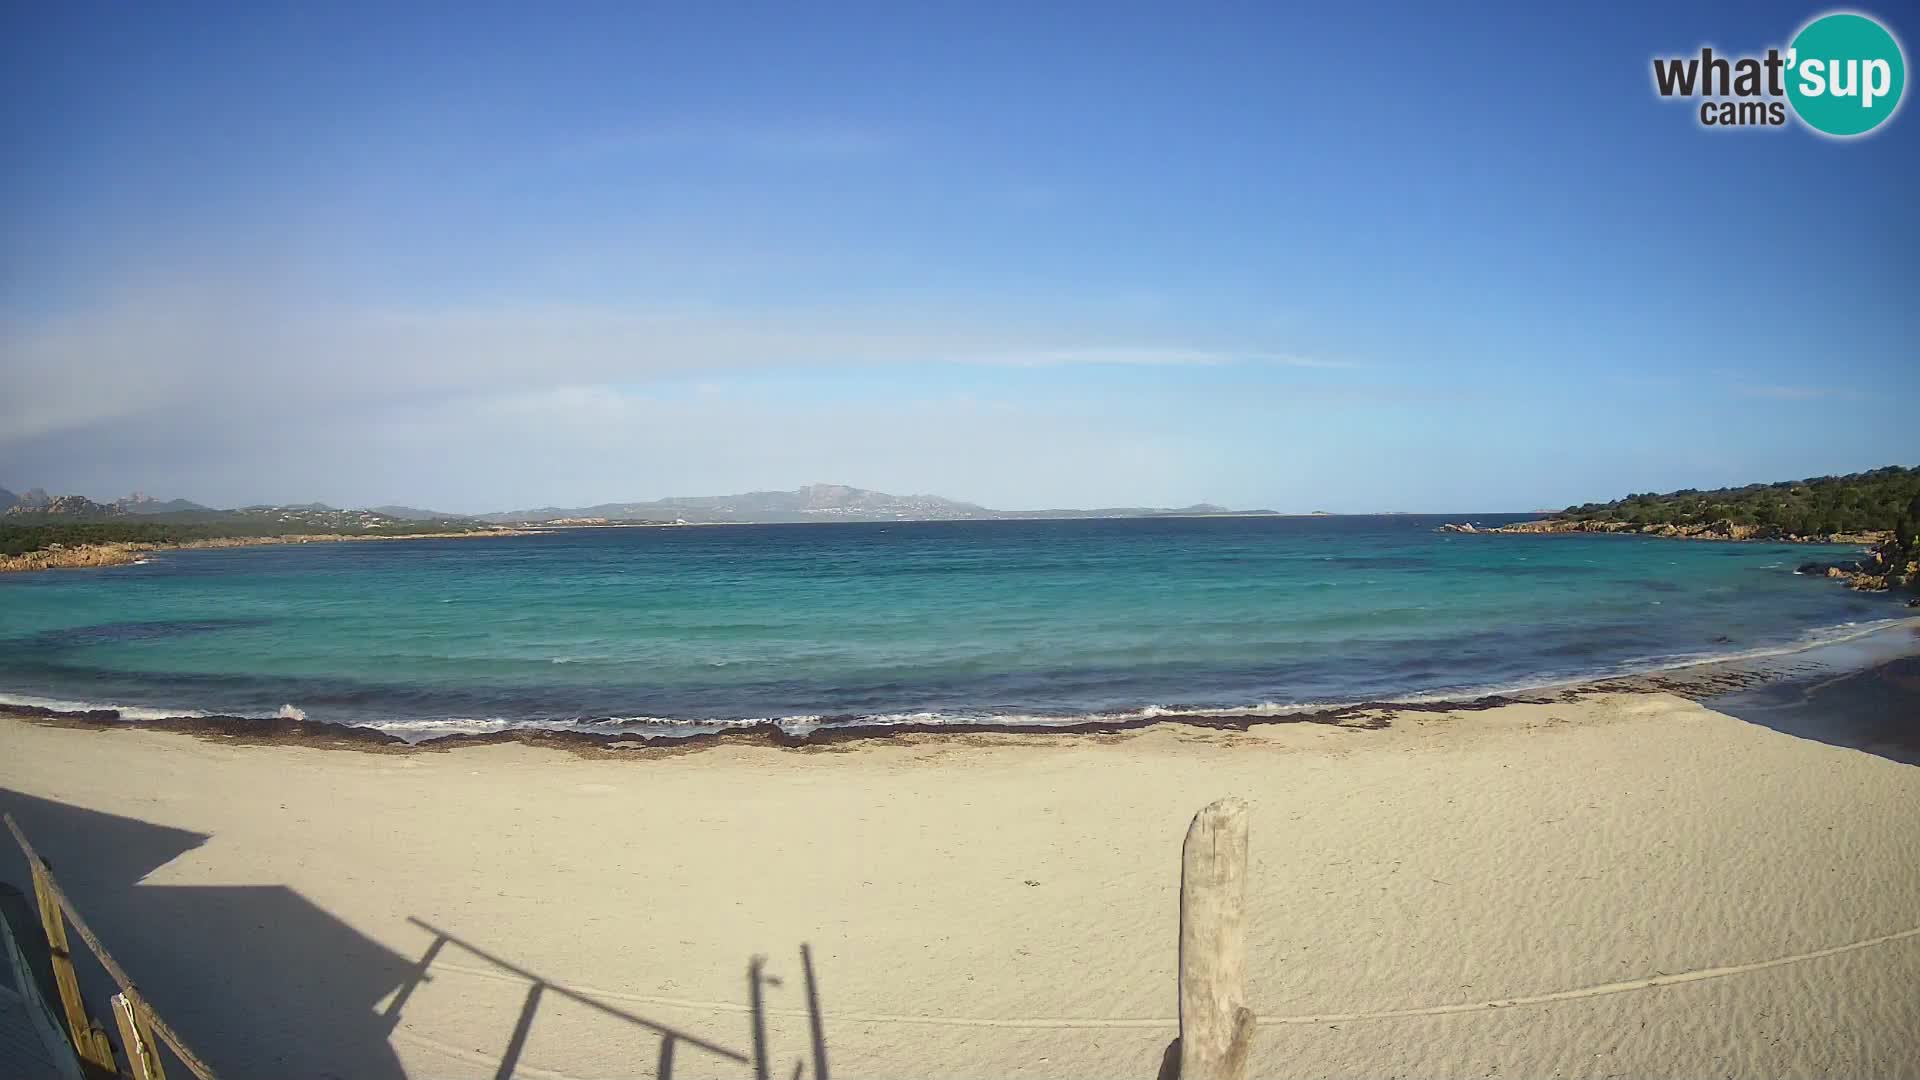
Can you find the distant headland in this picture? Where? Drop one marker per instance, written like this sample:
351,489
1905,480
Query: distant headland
1880,508
42,531
814,502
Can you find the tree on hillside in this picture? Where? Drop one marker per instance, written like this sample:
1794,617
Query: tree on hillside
1860,502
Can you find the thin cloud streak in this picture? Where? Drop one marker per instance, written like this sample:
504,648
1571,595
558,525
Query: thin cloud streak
1795,393
1157,357
788,145
238,351
579,445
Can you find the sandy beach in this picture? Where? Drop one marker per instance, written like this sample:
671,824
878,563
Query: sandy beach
1622,884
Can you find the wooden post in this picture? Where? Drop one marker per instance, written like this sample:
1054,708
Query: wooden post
47,892
89,1039
136,1037
1216,1027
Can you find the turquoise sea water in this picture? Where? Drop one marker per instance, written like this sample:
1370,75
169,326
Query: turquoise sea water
684,628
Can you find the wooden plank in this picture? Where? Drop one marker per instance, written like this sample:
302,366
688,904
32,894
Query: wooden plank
44,878
80,1027
102,1046
136,1037
32,971
129,1036
1216,1027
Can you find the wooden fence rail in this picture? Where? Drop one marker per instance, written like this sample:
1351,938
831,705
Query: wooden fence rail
139,1024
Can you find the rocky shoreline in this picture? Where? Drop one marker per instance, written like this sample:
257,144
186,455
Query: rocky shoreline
80,556
1880,569
1881,566
1718,530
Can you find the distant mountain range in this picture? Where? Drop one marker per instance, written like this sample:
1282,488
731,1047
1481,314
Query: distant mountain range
411,513
37,501
815,502
137,503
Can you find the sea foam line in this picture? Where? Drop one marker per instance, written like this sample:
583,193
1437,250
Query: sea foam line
422,730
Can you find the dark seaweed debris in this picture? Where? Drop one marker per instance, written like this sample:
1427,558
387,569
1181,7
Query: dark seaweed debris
1363,716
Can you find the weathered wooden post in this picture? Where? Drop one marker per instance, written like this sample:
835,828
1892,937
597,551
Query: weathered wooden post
89,1037
136,1037
1216,1027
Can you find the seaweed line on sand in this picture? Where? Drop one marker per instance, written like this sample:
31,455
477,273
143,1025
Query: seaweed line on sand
1360,716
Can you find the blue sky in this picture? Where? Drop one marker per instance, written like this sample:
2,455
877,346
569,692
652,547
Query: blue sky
1354,259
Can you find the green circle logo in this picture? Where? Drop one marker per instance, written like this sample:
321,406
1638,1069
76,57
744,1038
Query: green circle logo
1845,73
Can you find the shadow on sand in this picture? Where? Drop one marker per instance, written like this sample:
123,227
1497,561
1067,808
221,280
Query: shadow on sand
261,982
672,1040
254,977
1876,710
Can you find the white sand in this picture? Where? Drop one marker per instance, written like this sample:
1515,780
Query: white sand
1005,907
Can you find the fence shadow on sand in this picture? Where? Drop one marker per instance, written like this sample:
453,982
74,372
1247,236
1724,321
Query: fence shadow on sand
266,983
672,1041
263,982
274,983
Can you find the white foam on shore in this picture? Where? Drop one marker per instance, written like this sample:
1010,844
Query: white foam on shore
127,712
418,731
1811,640
422,730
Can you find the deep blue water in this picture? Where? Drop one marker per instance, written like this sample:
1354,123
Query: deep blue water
953,619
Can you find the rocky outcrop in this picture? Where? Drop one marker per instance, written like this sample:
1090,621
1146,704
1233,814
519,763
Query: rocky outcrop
1883,567
38,502
1716,530
61,556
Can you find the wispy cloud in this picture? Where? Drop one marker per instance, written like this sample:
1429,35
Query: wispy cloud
1288,360
769,144
576,445
230,350
1794,393
1155,357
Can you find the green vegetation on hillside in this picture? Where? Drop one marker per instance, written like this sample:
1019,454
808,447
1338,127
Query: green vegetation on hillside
21,533
1874,501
